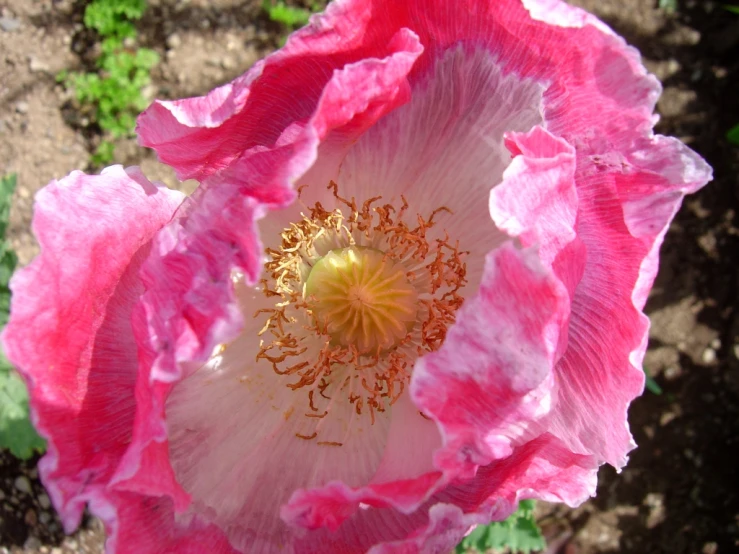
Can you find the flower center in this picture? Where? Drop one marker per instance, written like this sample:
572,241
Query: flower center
360,297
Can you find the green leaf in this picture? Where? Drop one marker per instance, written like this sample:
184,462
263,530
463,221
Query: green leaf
16,431
146,58
7,188
104,153
518,533
651,384
8,259
114,91
733,134
732,9
110,17
109,46
289,16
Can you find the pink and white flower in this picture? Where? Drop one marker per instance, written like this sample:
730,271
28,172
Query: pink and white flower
407,294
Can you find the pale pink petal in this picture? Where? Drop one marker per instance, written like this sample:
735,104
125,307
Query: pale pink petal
537,200
516,386
556,12
447,139
232,429
498,357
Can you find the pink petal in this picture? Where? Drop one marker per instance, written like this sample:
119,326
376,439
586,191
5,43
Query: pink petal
537,199
625,211
498,357
189,286
145,525
70,331
542,468
447,526
629,184
550,223
317,92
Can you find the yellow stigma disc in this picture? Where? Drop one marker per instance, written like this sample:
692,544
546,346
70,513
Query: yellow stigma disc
361,299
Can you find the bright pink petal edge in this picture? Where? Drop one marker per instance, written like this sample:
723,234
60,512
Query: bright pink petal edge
70,333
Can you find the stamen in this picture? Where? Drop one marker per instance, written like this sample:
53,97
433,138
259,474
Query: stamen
358,294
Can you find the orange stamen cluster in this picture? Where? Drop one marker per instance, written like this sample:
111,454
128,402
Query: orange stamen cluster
304,345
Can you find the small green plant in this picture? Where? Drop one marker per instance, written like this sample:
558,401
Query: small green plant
115,89
112,18
8,259
16,432
518,533
289,16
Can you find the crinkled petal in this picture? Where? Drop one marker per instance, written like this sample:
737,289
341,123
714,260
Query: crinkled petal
614,76
537,199
314,84
625,211
70,330
542,468
447,526
189,286
629,183
498,357
146,525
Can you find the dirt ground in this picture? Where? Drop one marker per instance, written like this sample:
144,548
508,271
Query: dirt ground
676,496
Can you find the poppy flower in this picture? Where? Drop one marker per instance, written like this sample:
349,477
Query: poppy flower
406,294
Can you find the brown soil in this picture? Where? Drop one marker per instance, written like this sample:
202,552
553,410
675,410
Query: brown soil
676,494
